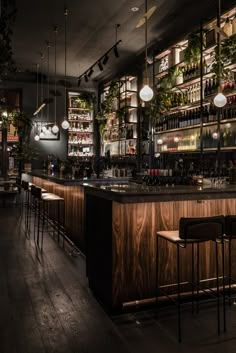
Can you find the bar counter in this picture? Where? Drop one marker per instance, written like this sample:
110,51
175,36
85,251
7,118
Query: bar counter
121,226
72,191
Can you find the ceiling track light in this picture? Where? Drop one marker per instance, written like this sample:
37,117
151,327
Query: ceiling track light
105,59
101,61
117,55
90,72
100,66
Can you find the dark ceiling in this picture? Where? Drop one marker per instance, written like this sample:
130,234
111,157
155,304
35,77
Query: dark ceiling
91,30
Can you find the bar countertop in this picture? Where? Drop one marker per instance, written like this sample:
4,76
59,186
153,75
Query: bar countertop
132,193
69,181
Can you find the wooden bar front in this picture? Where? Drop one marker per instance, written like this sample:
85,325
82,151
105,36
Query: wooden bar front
121,241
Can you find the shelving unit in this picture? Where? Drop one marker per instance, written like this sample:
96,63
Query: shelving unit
190,125
81,129
120,134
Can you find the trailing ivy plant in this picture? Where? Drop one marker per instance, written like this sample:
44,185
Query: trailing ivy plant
107,105
193,51
228,56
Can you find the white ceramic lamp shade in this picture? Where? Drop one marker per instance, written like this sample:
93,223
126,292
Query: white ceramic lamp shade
220,100
146,93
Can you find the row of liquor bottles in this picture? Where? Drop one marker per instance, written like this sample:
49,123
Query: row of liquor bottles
194,70
80,138
85,116
192,94
81,127
210,139
193,117
78,151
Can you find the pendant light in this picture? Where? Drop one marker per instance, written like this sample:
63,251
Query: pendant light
41,135
65,124
220,99
146,93
36,137
47,131
55,128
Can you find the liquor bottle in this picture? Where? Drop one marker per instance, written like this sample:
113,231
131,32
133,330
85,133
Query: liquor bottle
205,115
204,67
206,89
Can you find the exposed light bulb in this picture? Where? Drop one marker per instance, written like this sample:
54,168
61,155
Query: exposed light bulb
159,141
220,100
176,139
215,135
36,137
44,128
41,135
4,114
228,126
65,124
55,129
146,93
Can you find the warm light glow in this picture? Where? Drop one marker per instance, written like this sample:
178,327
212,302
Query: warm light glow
220,100
159,141
215,135
228,126
55,129
47,132
4,114
65,125
146,93
176,139
36,137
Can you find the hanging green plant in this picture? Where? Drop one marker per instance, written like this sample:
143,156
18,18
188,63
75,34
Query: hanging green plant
228,56
107,106
193,51
87,100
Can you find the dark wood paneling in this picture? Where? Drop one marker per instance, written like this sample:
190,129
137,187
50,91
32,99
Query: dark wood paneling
74,208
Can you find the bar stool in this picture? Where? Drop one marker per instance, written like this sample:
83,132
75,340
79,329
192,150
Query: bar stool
43,201
230,234
193,231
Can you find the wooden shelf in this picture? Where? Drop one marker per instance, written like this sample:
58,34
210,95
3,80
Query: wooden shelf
80,109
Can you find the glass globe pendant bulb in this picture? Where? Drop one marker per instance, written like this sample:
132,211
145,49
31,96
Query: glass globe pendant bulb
65,124
36,137
55,129
41,135
146,93
220,100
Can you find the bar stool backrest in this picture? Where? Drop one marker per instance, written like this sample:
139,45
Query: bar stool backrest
25,185
202,228
230,226
37,192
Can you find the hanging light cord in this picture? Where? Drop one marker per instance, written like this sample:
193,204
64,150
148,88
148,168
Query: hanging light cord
219,46
66,14
48,46
146,39
55,73
41,94
37,86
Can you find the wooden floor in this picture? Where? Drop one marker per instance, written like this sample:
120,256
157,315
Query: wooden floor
46,307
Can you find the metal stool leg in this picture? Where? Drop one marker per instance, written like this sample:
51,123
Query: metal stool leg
179,295
217,286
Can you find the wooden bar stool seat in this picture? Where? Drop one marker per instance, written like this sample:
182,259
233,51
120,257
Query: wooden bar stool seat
193,231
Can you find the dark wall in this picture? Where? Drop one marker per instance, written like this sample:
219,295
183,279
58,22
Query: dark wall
58,148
